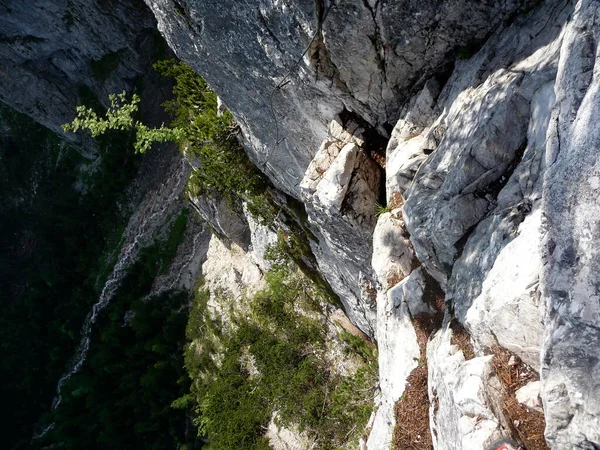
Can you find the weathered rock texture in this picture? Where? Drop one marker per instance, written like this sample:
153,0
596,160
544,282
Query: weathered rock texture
285,68
463,414
492,211
495,166
398,353
571,250
340,189
223,219
493,157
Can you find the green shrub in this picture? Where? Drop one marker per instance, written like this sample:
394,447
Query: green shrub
381,209
282,334
199,129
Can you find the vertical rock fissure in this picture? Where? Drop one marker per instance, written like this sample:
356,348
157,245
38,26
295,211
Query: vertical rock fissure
524,422
374,146
491,190
376,40
411,412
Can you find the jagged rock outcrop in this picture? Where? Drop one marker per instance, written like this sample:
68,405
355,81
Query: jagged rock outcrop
463,414
398,353
493,158
493,166
230,274
340,190
484,222
286,68
224,220
55,55
412,140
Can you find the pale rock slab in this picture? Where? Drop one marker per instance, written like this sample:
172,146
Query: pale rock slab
529,395
230,274
399,354
507,310
393,258
332,189
571,254
399,299
463,414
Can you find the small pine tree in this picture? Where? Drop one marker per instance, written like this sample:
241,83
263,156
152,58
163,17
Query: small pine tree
198,128
120,117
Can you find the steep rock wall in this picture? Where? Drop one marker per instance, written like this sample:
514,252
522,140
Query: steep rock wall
569,279
494,169
486,213
285,68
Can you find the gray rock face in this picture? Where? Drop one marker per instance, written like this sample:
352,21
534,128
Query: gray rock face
285,68
56,54
507,311
496,168
412,140
340,190
501,212
535,235
463,415
262,237
400,298
226,223
393,257
453,190
571,254
490,164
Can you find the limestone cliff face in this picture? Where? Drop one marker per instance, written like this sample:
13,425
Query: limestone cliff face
475,122
286,68
490,174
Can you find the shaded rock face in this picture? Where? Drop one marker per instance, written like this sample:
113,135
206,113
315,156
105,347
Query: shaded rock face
285,68
56,54
340,190
225,221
